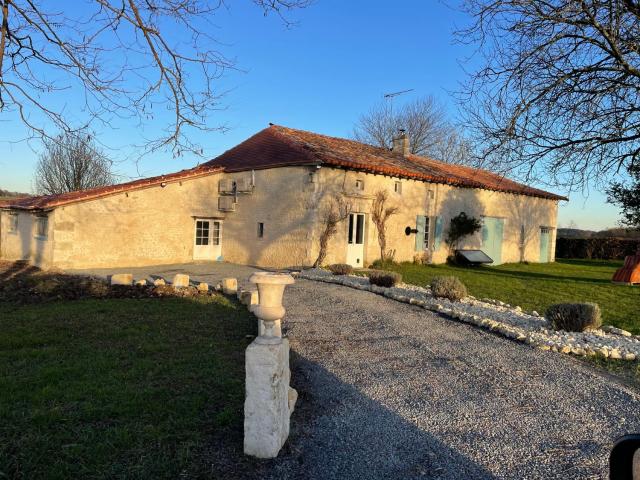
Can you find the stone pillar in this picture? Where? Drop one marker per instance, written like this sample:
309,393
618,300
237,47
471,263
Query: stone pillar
269,399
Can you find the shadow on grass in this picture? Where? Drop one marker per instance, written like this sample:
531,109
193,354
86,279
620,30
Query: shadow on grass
515,271
591,263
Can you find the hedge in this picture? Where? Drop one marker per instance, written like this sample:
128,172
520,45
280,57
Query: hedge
596,248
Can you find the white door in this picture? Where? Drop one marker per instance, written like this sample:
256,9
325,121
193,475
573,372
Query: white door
208,240
355,240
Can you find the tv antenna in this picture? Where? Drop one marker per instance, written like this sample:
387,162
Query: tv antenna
392,95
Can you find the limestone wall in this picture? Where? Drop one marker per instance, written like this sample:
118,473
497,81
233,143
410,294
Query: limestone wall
156,225
24,243
142,227
283,202
419,198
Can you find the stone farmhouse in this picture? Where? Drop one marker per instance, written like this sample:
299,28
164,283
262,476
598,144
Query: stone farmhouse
263,203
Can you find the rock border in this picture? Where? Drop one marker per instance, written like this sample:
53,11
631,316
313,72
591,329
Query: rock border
501,318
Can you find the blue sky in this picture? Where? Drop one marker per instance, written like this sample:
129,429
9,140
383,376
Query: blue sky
320,75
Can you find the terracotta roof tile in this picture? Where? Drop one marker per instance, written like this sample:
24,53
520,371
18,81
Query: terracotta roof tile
51,201
279,146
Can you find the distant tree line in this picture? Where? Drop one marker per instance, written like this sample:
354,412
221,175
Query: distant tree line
608,233
9,194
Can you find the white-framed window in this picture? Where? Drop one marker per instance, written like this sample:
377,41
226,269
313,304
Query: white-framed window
359,184
42,227
397,187
356,229
202,232
215,233
13,223
260,229
427,232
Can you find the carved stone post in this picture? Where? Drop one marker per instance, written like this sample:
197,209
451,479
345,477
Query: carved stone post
269,399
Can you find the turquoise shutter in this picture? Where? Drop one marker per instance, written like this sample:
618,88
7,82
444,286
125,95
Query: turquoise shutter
485,232
420,224
499,238
438,234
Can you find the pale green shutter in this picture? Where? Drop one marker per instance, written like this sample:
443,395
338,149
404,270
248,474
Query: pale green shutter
438,234
420,224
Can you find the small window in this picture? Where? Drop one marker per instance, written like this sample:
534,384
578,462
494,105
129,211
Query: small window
13,222
260,229
312,177
426,232
431,194
215,234
42,224
359,184
397,187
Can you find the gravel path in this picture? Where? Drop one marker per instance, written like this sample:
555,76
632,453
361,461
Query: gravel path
391,391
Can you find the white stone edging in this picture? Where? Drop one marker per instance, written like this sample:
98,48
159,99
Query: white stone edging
501,318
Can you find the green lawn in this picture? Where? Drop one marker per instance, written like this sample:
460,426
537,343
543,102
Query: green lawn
536,286
119,388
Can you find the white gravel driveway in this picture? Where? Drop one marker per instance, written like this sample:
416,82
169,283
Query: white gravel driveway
391,391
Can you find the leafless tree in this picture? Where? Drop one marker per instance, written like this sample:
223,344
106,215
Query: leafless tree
70,162
425,123
336,211
380,213
137,59
558,93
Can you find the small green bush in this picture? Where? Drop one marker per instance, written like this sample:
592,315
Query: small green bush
340,269
448,287
574,317
383,264
384,279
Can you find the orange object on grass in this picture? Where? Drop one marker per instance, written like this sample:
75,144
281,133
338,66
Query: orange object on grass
630,271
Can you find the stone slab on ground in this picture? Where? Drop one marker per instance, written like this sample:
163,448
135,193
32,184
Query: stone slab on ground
122,279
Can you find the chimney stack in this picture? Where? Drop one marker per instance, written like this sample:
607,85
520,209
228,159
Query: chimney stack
401,143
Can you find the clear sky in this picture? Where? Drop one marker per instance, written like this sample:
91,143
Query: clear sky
319,75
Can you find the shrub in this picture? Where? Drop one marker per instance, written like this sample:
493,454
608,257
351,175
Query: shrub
574,317
448,287
383,264
596,248
340,269
384,279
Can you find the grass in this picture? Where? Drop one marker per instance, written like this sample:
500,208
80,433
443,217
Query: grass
118,388
536,286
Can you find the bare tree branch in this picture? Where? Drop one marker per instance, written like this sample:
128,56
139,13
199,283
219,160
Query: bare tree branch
380,213
336,211
121,60
557,98
425,123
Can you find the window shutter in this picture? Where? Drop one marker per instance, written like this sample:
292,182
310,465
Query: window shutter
420,224
438,234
